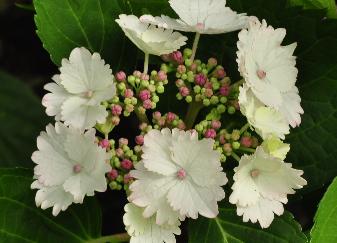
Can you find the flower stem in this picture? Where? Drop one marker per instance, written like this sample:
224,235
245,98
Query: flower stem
141,116
249,150
192,113
244,128
146,63
235,156
195,45
118,238
238,83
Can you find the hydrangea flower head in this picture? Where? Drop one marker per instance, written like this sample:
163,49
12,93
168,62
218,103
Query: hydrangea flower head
202,16
85,81
269,68
261,184
179,176
266,121
69,166
145,229
148,38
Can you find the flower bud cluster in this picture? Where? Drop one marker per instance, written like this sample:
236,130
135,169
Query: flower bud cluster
170,120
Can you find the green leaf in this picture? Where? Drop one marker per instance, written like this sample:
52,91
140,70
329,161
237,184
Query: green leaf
22,221
21,119
329,5
325,227
229,228
65,24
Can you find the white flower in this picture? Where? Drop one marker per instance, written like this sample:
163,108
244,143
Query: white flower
267,121
145,230
85,81
180,176
202,16
276,147
269,68
148,38
261,183
70,165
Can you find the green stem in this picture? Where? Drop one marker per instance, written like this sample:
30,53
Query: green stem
195,46
192,113
118,238
249,150
238,83
146,63
235,156
244,128
141,116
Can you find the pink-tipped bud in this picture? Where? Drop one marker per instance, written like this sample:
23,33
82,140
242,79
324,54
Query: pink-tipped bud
104,143
119,152
137,74
116,110
177,57
156,115
123,141
225,90
208,93
222,139
216,125
200,79
208,85
144,77
184,91
210,133
143,126
180,83
246,142
181,125
161,76
194,67
170,117
212,62
113,174
128,93
147,104
126,164
120,76
127,179
161,122
144,94
139,140
220,73
115,120
181,69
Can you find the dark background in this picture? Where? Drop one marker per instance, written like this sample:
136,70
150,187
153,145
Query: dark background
22,55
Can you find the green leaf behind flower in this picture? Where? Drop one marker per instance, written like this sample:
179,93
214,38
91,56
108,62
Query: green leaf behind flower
229,228
22,221
329,5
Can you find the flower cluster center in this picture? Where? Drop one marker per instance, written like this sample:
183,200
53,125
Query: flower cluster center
181,174
261,74
88,94
77,168
255,173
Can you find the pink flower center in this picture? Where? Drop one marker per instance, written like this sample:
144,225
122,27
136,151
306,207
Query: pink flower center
261,74
77,168
181,174
200,26
255,173
88,94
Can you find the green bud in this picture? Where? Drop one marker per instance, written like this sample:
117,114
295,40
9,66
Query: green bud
179,96
236,145
154,73
223,158
164,67
152,82
223,100
178,75
137,80
188,62
113,185
121,86
160,89
184,76
131,79
144,83
115,99
187,53
155,99
204,71
214,100
206,102
221,108
126,113
231,110
157,127
197,89
204,123
134,158
127,101
152,88
188,99
154,105
119,178
175,123
236,135
129,153
199,128
216,86
198,98
117,163
134,101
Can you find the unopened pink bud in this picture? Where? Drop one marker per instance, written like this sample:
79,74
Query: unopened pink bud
222,139
193,67
123,141
208,85
246,141
156,115
113,174
210,133
177,57
137,74
208,93
181,125
212,62
120,76
216,125
170,117
119,152
184,91
128,93
144,77
180,83
161,76
116,110
225,90
200,79
162,122
115,120
147,104
144,94
181,69
104,143
126,164
127,179
220,73
139,140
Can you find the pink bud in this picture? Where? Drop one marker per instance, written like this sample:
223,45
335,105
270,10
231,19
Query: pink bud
144,94
147,104
116,110
220,73
115,120
179,83
193,67
184,91
208,93
222,139
126,164
119,152
161,76
128,93
200,79
225,90
139,140
170,117
162,122
127,179
210,133
137,74
246,141
181,69
216,125
156,115
177,57
123,141
120,76
144,77
113,174
212,62
143,126
104,143
181,125
208,85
